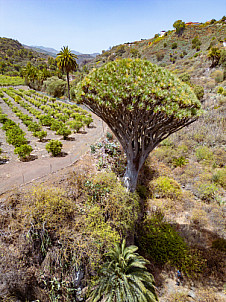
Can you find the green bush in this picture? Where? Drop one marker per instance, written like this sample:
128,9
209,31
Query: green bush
40,134
174,45
166,187
219,177
159,241
33,127
196,43
199,91
185,77
54,147
76,125
65,131
23,151
203,153
220,90
54,86
208,192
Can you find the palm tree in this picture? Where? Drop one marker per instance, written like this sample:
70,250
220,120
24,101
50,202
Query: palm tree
66,61
124,278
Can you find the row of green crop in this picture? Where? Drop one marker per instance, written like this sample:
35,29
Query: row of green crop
7,80
27,120
55,120
60,111
45,120
15,136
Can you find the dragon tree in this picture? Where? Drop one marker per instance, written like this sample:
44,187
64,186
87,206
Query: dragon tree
142,104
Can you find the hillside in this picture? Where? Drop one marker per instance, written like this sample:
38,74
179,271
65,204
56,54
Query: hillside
169,48
55,231
14,56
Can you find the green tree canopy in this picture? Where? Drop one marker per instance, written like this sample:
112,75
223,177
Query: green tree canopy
66,61
124,277
142,104
179,25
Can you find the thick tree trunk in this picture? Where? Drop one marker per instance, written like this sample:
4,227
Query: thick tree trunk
68,89
131,175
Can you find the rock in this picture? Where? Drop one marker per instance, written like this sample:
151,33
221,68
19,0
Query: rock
192,294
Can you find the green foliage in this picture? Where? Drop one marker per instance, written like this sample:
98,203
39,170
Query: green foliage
124,277
196,43
199,91
174,45
214,55
54,147
220,90
160,242
75,125
33,127
10,81
185,77
219,177
112,201
180,161
203,153
208,192
65,131
167,187
49,206
23,151
179,25
40,134
54,86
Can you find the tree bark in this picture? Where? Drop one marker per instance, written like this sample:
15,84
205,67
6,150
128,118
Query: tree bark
68,90
131,175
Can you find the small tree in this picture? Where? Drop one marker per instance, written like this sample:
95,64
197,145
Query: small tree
54,147
214,56
65,131
40,134
142,103
23,151
179,25
196,43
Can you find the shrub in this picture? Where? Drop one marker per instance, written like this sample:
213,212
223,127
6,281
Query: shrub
219,177
16,137
218,76
208,192
65,131
185,77
174,45
196,43
199,91
159,56
54,86
199,218
220,90
166,187
75,125
165,44
54,147
203,153
159,240
33,127
40,134
23,151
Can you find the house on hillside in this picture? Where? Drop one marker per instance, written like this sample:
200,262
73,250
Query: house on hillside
192,23
162,33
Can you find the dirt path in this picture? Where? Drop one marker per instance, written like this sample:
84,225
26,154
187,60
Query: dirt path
15,172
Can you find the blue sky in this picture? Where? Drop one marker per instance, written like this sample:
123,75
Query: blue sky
91,26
